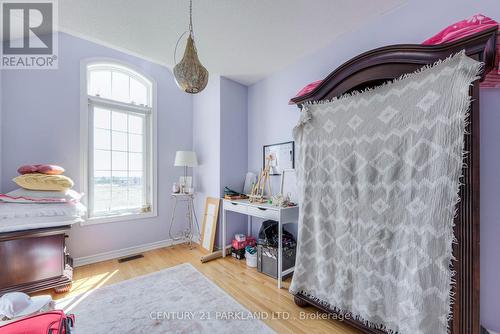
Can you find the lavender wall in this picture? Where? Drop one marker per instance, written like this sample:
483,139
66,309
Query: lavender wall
234,134
234,142
1,104
40,123
490,211
220,140
271,119
206,143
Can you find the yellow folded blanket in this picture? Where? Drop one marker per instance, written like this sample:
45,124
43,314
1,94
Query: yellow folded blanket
37,181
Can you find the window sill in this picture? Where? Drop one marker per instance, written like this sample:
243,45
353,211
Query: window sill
117,219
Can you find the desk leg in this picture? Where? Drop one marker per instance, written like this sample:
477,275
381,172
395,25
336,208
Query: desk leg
280,253
223,232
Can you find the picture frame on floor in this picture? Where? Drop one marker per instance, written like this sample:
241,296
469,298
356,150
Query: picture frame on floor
209,226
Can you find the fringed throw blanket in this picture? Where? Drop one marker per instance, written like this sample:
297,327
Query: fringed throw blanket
378,177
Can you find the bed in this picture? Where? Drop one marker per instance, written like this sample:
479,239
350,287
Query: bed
377,66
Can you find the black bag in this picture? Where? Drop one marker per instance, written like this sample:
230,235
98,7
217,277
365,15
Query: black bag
268,235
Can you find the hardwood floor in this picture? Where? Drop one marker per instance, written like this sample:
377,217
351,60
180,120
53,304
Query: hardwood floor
255,291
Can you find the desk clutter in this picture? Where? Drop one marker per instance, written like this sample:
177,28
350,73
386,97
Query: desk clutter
241,244
233,195
258,189
262,253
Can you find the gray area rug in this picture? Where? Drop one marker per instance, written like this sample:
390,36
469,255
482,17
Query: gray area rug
174,300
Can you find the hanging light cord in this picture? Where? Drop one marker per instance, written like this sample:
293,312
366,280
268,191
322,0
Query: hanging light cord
191,17
190,30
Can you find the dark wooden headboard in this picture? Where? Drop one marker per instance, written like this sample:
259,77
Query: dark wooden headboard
379,65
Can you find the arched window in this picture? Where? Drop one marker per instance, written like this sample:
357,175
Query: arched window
120,142
118,83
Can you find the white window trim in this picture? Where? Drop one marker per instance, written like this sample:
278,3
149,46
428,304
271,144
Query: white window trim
84,142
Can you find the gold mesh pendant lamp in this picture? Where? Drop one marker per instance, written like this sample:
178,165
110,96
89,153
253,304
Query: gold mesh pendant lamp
190,75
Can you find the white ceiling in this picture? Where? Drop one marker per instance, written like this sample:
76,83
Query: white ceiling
244,40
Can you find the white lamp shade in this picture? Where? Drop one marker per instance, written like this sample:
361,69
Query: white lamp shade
185,159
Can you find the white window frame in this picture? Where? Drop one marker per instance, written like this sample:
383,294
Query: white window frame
86,132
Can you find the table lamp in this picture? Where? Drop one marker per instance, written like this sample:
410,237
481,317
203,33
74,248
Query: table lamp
185,159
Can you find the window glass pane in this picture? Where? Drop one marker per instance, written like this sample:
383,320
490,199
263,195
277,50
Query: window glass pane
102,118
135,196
102,139
135,143
120,87
138,92
136,189
100,83
135,161
119,192
103,177
136,178
119,121
119,161
102,191
102,160
119,141
135,124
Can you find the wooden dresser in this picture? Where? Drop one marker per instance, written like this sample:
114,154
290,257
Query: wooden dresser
34,260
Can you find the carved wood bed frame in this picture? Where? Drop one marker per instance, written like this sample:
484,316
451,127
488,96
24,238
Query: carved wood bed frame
379,65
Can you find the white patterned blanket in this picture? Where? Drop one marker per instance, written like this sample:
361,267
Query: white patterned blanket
378,177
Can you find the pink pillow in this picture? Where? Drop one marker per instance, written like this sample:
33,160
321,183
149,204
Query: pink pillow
464,28
310,87
41,168
26,169
50,169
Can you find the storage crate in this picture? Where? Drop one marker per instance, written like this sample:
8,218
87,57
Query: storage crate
267,260
238,253
250,241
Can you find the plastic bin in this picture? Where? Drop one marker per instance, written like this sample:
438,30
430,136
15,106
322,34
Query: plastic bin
267,260
251,259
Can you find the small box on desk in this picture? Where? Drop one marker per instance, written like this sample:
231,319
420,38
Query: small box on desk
267,260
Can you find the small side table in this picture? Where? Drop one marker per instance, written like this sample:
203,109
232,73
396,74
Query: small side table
188,234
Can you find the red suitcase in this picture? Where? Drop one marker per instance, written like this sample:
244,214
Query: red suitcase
53,322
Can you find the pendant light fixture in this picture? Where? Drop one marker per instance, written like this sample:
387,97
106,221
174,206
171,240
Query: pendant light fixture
190,75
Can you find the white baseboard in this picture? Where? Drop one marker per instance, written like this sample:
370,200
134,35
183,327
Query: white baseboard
114,254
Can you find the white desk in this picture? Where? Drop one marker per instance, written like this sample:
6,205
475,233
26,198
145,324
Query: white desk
264,211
